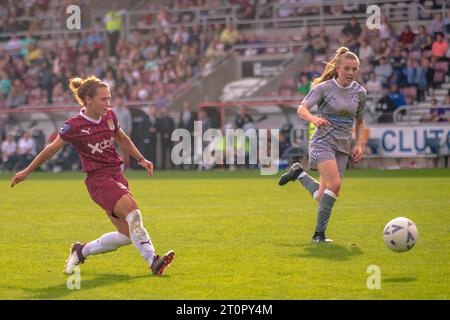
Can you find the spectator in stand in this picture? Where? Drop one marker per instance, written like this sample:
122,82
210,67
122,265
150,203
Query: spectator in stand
9,152
165,127
383,49
5,83
215,50
187,117
437,25
322,42
304,85
374,86
366,51
164,19
16,97
406,37
410,73
13,46
396,96
126,123
46,81
352,29
365,70
420,39
242,119
113,26
26,150
383,71
447,22
335,10
251,41
152,136
423,79
286,11
203,44
205,120
123,115
386,30
386,106
229,36
436,114
440,47
246,9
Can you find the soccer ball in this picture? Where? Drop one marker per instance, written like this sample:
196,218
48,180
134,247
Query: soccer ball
400,234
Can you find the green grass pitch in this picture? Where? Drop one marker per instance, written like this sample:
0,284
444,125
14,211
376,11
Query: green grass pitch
237,235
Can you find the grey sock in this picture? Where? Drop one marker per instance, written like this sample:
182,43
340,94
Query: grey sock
309,183
324,211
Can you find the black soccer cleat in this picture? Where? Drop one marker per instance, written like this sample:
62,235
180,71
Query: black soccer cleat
320,237
292,174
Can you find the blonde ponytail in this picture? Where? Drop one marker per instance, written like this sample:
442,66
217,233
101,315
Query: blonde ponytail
330,69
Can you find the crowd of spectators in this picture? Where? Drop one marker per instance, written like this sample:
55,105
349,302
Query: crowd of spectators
147,65
398,66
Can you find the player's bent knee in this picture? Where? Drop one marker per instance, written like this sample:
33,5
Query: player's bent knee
125,205
334,186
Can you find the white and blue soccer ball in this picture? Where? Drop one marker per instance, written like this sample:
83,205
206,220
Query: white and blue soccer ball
400,234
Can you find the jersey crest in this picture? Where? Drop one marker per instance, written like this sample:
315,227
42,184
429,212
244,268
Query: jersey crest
110,123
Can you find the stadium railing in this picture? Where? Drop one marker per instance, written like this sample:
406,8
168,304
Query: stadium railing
404,11
415,114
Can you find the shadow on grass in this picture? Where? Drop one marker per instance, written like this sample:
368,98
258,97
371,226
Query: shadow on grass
400,279
60,291
330,251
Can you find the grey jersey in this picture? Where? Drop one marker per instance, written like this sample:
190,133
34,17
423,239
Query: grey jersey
340,106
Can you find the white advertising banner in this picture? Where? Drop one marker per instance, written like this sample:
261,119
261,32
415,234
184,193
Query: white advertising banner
404,141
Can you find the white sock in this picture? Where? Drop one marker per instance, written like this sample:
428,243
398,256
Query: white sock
139,236
106,243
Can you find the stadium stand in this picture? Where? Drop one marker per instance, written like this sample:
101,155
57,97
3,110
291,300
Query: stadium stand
168,52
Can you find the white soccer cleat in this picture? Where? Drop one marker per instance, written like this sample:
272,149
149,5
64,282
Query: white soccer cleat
75,258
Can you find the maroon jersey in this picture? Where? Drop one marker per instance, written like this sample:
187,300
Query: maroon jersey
93,140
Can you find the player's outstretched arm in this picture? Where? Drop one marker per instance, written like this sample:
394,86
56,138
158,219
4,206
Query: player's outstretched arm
128,147
48,152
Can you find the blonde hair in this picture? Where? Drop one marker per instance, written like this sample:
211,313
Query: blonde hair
82,88
330,69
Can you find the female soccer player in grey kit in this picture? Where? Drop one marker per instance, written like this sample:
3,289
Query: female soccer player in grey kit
341,102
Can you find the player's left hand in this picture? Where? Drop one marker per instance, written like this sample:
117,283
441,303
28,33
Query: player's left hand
357,154
147,165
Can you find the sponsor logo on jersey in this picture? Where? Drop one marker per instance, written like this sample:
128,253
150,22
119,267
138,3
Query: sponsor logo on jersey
344,113
110,123
340,120
88,131
100,146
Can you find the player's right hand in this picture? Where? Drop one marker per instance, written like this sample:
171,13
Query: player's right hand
18,177
319,122
148,165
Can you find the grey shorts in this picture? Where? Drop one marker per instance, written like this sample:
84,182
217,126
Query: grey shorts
318,154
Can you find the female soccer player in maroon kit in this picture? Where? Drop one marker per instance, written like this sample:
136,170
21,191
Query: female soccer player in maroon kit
92,133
